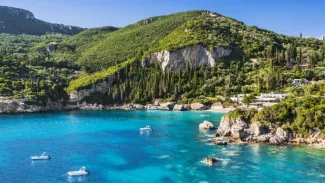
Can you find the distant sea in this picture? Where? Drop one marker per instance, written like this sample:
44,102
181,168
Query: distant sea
111,147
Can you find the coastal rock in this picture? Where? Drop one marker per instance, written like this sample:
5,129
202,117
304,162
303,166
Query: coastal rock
280,137
156,103
277,140
187,106
206,125
224,128
281,133
195,56
210,161
220,141
263,138
257,129
320,144
238,129
152,107
217,106
316,136
179,107
232,127
18,106
299,141
198,106
168,105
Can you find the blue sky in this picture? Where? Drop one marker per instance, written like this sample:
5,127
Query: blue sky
283,16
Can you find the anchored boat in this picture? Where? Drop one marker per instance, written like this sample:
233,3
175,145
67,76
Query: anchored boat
44,156
81,171
147,128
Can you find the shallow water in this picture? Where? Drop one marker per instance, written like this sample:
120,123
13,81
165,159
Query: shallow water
109,144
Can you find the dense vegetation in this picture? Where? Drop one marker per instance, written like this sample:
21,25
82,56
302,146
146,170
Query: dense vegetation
130,41
301,115
36,84
264,57
214,30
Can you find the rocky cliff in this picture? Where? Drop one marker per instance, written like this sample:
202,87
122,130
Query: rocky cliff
239,130
195,56
101,87
17,106
20,21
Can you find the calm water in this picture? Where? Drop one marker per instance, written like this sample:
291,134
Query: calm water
109,144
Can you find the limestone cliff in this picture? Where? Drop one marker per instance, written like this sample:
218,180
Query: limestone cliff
101,87
195,56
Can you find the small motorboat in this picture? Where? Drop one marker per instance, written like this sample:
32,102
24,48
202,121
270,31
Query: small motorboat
147,128
44,156
81,171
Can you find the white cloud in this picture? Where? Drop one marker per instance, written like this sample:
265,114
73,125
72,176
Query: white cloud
317,37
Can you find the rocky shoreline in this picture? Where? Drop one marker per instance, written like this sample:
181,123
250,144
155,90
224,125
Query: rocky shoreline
16,107
168,106
238,131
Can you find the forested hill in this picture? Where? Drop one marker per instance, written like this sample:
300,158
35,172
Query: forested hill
176,31
20,21
247,44
211,55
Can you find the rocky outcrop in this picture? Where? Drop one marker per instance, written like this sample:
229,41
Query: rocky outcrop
257,129
232,127
101,87
210,161
206,125
17,12
198,107
20,21
179,107
168,105
18,106
217,106
195,56
238,128
220,141
279,138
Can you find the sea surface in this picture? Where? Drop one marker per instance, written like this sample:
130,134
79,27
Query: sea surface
111,147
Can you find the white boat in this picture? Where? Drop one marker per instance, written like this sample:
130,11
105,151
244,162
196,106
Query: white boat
147,128
81,171
44,156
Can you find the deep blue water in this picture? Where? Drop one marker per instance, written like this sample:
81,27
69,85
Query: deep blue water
109,144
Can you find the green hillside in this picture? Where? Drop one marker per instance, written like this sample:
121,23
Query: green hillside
73,47
132,40
191,28
267,61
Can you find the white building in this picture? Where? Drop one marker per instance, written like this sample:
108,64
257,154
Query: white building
300,82
263,98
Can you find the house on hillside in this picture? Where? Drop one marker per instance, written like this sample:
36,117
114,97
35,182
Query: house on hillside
300,82
238,98
272,97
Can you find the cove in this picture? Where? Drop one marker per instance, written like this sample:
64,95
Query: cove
109,144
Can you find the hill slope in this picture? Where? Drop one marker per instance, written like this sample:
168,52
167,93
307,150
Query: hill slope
132,40
20,21
181,30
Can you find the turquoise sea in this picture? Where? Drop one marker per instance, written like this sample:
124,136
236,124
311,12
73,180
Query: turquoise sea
109,144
